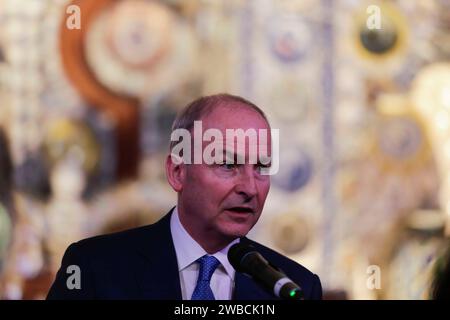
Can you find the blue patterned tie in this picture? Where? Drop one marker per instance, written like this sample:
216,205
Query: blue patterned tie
207,266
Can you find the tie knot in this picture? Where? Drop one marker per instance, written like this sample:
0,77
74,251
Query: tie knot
207,266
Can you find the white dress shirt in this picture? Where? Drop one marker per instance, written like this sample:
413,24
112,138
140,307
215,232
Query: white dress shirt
188,251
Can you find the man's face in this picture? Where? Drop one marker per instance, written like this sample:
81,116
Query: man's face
226,200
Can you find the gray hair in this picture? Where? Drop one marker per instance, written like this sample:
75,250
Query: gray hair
203,106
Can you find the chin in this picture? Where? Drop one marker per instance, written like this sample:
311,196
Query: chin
233,230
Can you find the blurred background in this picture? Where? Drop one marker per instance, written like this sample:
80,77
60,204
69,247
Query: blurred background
359,90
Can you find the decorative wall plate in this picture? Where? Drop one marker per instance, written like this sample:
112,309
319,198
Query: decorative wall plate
140,48
400,143
139,33
390,40
296,170
290,232
289,37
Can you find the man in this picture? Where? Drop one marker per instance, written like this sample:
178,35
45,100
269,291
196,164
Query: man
184,255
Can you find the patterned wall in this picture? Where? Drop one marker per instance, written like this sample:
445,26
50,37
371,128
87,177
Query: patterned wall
363,116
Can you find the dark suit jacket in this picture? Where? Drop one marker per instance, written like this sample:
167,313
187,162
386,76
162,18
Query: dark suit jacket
141,263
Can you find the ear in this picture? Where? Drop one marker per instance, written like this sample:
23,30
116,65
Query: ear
175,172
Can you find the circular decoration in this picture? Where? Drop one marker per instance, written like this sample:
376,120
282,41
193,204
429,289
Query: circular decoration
71,139
379,41
385,42
295,170
289,37
140,48
290,233
128,29
400,142
399,137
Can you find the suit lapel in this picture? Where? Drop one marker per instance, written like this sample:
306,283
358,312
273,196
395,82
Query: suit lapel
157,273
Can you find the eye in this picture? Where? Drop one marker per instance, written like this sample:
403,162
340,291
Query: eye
228,166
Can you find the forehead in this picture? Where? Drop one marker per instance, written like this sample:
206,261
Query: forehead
233,115
241,127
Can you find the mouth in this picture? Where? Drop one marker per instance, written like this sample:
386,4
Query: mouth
241,210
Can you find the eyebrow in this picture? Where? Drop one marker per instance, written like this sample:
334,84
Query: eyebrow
232,155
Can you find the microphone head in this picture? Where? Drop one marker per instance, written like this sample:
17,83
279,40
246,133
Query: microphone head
237,253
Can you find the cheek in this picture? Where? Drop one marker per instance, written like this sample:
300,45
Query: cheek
206,187
263,191
218,192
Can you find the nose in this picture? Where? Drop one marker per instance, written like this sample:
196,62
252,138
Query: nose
246,184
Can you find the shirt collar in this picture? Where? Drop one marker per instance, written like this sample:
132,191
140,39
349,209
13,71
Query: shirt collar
188,250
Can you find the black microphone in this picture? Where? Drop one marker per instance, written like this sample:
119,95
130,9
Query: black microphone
244,258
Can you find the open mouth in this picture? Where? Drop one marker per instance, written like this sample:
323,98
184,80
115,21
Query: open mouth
242,210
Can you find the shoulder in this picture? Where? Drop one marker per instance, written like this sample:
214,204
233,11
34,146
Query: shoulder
124,243
117,240
105,262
